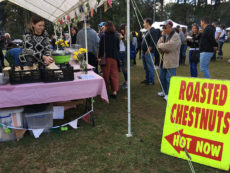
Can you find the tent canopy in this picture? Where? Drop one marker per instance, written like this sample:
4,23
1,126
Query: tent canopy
157,24
53,10
228,29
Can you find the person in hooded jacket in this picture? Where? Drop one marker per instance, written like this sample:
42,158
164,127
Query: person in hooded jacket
208,46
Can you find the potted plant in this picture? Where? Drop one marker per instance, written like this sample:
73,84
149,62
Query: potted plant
79,56
61,55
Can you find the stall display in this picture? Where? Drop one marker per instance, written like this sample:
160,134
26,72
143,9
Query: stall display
57,73
24,74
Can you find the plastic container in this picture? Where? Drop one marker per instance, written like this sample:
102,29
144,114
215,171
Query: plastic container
3,79
65,73
39,120
10,117
61,58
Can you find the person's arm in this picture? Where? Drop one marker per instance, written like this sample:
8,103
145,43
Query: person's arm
218,36
171,45
46,54
101,48
153,41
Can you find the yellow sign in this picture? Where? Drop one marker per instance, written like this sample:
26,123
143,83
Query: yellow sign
197,120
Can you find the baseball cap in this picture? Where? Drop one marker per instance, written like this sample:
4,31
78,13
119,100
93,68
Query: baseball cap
167,22
101,24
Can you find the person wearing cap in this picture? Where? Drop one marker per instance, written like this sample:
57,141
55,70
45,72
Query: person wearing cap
208,46
101,29
148,47
169,46
93,44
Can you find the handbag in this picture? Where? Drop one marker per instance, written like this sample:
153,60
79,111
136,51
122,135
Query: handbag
103,59
195,56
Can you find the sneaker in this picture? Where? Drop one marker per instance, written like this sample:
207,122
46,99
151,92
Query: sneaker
113,96
166,97
161,94
124,86
144,81
150,83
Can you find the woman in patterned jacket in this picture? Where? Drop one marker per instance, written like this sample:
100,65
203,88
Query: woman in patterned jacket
36,44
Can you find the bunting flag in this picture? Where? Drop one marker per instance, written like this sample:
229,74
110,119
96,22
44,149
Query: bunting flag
91,12
87,118
74,123
19,133
110,3
37,132
105,6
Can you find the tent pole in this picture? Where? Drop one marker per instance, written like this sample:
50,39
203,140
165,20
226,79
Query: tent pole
86,41
70,41
128,69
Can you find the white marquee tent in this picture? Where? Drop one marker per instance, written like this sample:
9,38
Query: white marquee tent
157,24
55,9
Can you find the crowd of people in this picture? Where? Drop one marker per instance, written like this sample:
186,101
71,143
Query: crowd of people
164,50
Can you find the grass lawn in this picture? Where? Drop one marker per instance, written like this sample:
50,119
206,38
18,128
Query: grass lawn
105,148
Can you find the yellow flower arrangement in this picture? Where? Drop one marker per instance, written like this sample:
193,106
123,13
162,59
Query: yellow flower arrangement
62,43
79,55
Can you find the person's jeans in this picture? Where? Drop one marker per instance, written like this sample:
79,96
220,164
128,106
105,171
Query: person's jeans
122,61
147,60
165,76
220,52
192,65
205,58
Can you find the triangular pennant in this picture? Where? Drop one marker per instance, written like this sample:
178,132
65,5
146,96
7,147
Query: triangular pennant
86,118
110,3
37,132
19,133
105,6
91,12
74,124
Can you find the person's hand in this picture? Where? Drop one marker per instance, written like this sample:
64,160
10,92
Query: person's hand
163,33
215,48
147,52
48,60
121,36
99,60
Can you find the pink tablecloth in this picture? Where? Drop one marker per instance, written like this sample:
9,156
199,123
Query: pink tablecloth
37,93
76,66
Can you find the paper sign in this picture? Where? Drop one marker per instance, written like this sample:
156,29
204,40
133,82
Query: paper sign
86,76
198,110
58,112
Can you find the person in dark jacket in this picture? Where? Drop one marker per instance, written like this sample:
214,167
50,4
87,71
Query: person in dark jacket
139,41
2,44
109,48
157,55
148,47
208,46
73,35
193,42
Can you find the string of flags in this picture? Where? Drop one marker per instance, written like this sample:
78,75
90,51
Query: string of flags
37,132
